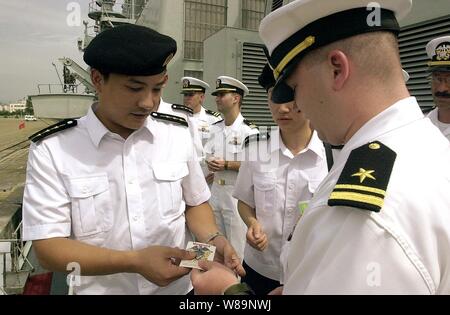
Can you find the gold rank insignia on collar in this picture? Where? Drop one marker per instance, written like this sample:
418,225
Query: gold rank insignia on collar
170,118
250,124
50,130
183,108
213,113
365,178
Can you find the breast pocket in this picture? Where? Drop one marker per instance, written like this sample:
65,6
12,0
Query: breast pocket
168,177
91,205
265,192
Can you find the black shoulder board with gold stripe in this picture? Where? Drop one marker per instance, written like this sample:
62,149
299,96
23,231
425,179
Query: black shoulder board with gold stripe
183,108
170,118
250,124
60,126
218,122
365,178
256,138
213,113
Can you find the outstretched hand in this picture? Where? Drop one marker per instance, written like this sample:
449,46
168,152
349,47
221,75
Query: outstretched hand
159,265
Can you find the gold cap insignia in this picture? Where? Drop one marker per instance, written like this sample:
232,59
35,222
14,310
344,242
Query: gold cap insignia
443,52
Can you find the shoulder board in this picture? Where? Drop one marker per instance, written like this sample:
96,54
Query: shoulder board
170,118
218,122
250,124
213,113
256,138
365,178
183,108
60,126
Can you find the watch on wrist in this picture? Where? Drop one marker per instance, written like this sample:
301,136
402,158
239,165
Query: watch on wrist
226,165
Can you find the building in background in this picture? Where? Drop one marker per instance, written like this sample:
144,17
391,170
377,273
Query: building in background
19,106
219,37
191,23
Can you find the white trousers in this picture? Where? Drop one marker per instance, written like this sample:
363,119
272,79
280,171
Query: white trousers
227,216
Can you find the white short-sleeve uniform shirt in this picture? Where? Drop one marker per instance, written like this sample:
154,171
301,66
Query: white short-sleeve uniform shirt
444,128
203,122
278,191
93,186
227,143
403,249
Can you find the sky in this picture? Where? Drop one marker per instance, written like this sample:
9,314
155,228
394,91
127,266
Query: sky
33,34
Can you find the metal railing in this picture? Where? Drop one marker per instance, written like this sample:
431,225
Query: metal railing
57,88
130,9
14,278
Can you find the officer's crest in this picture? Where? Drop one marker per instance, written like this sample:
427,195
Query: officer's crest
443,52
235,141
218,83
204,128
186,83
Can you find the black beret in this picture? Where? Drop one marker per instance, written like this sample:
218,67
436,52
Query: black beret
130,50
266,79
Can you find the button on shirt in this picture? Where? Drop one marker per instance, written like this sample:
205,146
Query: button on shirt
444,128
93,186
277,191
403,249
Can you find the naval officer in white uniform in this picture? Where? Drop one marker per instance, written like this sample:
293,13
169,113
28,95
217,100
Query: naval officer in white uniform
223,151
276,182
378,223
438,51
202,119
104,193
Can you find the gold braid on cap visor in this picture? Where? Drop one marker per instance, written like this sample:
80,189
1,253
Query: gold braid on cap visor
309,41
439,63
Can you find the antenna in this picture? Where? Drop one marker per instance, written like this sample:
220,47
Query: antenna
57,73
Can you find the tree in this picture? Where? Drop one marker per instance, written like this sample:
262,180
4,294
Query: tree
29,107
